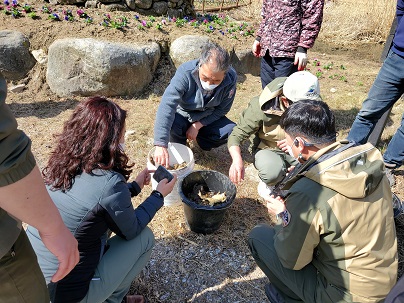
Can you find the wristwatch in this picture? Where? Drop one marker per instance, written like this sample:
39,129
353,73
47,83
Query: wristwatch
284,216
157,193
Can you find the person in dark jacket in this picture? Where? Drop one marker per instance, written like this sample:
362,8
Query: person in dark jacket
287,30
195,104
86,176
384,93
23,197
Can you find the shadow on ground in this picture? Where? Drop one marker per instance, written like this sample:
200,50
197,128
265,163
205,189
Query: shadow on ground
42,109
207,268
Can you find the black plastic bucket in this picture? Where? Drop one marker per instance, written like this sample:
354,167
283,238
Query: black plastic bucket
206,219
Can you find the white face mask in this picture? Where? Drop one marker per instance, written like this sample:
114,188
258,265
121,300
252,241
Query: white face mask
122,146
206,86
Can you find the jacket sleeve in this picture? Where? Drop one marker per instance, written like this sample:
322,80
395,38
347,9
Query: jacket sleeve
16,158
311,22
264,16
295,243
400,11
166,111
248,124
227,96
121,217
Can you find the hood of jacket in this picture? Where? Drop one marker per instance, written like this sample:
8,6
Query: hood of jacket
354,171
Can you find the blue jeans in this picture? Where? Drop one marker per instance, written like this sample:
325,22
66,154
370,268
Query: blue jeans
385,91
209,136
273,67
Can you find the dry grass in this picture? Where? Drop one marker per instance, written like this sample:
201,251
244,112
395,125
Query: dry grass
350,21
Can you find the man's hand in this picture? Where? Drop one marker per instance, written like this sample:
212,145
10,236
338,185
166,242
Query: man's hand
28,200
193,130
143,178
282,145
63,245
300,60
256,48
275,205
161,156
236,171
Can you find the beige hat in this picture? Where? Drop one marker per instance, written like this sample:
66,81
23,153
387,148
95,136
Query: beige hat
302,85
272,90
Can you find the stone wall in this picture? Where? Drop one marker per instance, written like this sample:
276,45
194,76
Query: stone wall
172,8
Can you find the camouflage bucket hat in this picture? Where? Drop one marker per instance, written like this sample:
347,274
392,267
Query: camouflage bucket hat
272,90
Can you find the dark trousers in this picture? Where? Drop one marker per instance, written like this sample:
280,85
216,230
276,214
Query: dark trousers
304,285
209,136
273,67
21,279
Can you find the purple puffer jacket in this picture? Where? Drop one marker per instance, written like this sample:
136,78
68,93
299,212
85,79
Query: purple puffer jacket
288,24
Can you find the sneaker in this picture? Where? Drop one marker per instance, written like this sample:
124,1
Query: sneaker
272,294
389,170
398,207
264,190
390,176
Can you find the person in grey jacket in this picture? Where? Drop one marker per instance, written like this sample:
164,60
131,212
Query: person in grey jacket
86,176
195,104
23,198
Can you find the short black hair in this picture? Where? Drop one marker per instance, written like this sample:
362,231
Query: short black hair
310,119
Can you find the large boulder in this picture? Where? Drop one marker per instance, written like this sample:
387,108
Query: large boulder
15,58
187,48
244,62
88,67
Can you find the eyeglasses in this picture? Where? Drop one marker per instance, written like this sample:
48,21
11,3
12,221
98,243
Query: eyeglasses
305,143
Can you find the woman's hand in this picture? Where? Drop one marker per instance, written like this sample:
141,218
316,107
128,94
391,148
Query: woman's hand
143,178
165,187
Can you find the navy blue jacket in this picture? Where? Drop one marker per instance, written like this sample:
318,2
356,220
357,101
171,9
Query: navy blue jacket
184,96
398,41
95,204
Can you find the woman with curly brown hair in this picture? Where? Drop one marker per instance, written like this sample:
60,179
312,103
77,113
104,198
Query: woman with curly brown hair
86,176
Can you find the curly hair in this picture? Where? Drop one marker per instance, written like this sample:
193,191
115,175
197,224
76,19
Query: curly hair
89,141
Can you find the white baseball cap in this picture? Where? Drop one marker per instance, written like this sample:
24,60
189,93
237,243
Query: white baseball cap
302,85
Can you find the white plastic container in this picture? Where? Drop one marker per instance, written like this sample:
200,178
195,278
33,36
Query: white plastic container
178,153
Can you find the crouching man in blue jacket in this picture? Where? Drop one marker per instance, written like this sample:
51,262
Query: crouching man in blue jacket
195,104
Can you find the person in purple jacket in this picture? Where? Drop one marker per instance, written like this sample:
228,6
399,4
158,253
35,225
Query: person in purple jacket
86,177
288,28
384,93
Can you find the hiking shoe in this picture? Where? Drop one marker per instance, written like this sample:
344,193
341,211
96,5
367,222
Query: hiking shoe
264,190
390,176
398,207
272,294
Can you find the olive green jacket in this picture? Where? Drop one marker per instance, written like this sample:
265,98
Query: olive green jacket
341,221
16,161
262,128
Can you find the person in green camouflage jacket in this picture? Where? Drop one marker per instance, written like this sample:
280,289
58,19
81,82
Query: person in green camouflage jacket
334,239
260,122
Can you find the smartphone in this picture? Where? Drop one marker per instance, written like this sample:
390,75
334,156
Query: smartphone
162,173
